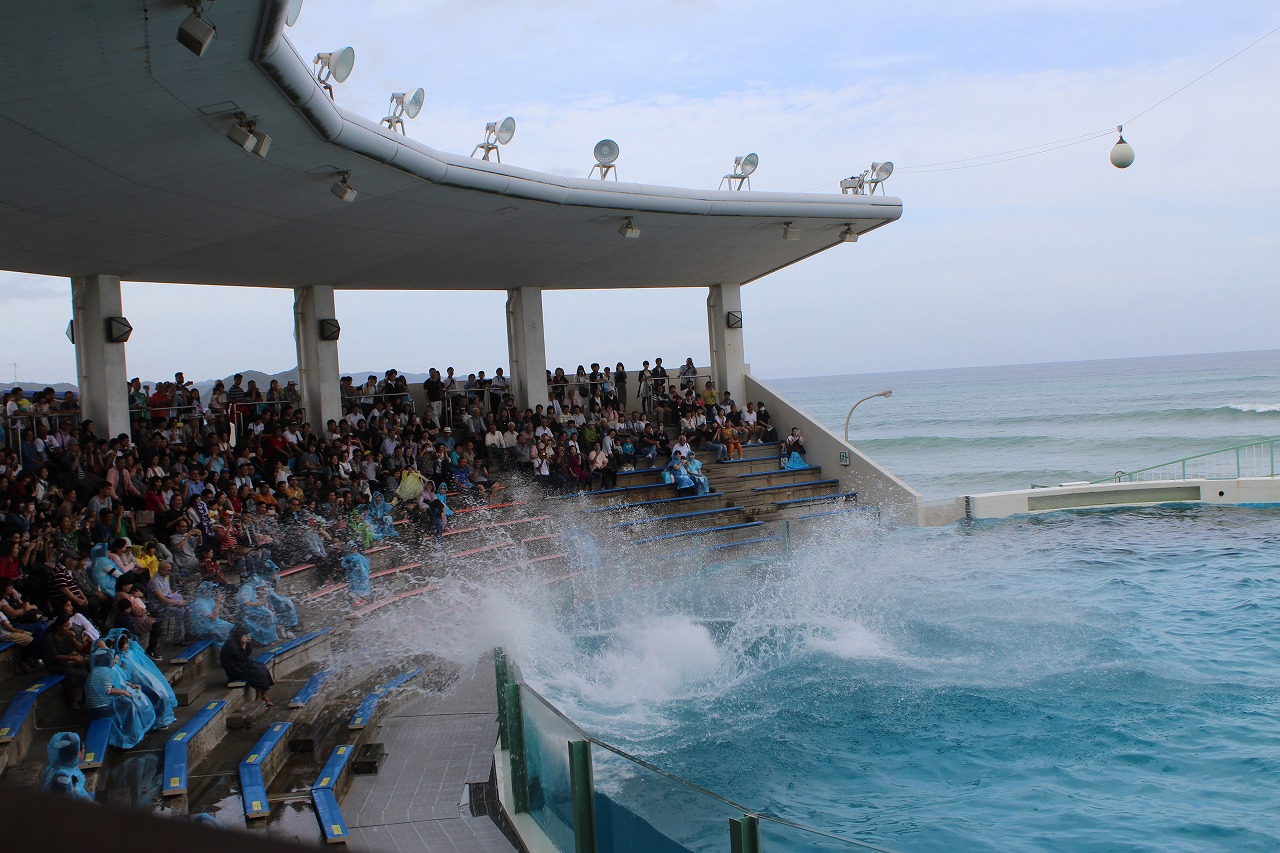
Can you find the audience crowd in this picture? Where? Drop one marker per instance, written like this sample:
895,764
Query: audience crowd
176,531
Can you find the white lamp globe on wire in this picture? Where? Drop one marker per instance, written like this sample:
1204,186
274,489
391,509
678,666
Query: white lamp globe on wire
1121,152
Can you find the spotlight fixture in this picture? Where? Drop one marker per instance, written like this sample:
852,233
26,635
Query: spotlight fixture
742,169
606,152
118,330
342,189
495,134
1121,152
245,135
404,105
848,235
195,33
876,175
628,229
334,66
790,232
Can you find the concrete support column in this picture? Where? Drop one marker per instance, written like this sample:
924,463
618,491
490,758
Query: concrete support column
100,367
724,333
527,347
317,358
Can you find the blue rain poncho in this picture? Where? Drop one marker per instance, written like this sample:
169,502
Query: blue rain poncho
63,775
256,612
204,624
357,567
103,572
694,467
794,461
379,517
132,716
141,670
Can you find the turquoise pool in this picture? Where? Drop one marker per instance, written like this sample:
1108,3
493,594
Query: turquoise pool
1076,681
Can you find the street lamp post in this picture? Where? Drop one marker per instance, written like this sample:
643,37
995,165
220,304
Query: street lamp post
885,393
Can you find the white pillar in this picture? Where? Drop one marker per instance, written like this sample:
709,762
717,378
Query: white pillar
317,359
527,347
100,367
728,362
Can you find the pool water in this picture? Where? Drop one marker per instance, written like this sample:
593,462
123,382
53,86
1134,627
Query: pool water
1076,681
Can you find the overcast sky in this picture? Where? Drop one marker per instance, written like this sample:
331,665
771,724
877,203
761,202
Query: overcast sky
1047,258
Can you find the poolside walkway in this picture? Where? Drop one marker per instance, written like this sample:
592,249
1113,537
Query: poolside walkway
435,745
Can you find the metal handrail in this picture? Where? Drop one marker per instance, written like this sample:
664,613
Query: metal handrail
1253,460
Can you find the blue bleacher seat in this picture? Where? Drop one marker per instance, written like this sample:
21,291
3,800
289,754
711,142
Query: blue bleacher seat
192,651
367,706
253,787
95,743
332,824
20,707
309,690
701,531
175,749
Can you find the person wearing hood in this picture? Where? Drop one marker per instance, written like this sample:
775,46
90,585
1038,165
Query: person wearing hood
139,669
357,567
63,776
237,660
379,518
694,467
109,694
203,614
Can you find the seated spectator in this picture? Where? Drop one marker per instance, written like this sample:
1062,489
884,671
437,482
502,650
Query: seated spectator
63,776
356,565
141,670
203,614
110,695
238,663
601,468
169,607
794,443
66,655
24,640
381,523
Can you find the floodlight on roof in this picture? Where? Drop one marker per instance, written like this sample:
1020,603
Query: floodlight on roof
195,32
291,12
495,134
334,66
342,187
873,177
848,235
246,135
742,169
606,152
1121,152
628,229
404,105
790,231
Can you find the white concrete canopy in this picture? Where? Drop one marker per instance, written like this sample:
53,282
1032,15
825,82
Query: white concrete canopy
117,163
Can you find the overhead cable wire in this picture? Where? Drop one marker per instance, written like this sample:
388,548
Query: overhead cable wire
1046,147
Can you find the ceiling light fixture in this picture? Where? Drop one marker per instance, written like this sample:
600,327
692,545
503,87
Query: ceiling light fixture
334,66
628,229
245,135
1121,152
743,167
495,134
606,152
790,232
404,105
195,33
342,189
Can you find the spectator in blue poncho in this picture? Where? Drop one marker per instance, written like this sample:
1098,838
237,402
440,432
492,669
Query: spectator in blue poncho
103,572
380,519
357,567
203,614
255,611
140,670
109,694
63,775
694,467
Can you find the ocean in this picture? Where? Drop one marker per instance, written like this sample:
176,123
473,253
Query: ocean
1091,680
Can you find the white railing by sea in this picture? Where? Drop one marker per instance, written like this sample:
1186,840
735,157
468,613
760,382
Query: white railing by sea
1242,461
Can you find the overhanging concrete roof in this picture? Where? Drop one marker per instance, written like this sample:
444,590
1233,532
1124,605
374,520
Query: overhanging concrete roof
116,162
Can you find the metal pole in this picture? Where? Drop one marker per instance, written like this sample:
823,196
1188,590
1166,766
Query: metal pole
744,835
885,393
582,783
515,734
501,679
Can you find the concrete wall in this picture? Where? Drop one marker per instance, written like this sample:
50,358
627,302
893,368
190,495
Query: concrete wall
1222,492
898,502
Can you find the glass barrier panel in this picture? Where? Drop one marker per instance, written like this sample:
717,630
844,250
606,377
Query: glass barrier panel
546,750
639,810
782,837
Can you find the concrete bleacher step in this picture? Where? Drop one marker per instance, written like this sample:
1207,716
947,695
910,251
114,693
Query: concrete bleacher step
672,521
701,531
786,491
